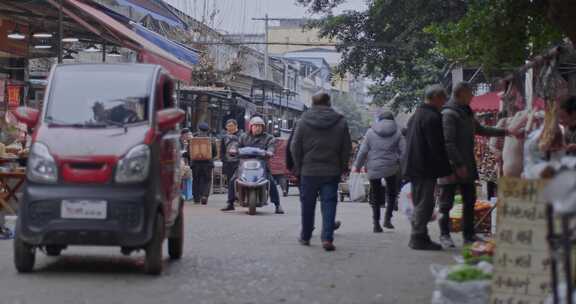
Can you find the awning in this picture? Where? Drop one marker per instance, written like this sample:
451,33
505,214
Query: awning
148,51
490,102
156,9
176,49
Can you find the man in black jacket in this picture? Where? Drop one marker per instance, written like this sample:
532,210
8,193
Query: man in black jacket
320,148
425,160
460,127
229,152
202,169
257,138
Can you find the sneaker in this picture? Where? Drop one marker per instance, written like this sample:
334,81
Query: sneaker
328,246
279,209
337,225
204,201
447,242
377,228
304,242
388,225
228,208
472,239
425,245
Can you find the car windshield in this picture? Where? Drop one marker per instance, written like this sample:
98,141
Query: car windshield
98,98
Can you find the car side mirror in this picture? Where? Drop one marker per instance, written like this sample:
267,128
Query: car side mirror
27,115
169,118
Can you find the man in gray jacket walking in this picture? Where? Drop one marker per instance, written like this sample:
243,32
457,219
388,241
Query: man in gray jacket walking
460,126
320,148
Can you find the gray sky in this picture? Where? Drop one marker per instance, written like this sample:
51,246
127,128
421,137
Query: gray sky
235,16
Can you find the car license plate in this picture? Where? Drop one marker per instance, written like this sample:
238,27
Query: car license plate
84,209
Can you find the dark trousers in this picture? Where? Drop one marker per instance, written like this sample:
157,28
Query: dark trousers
229,169
310,188
274,196
423,198
447,192
492,189
380,196
201,181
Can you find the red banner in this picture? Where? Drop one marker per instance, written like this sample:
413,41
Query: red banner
14,95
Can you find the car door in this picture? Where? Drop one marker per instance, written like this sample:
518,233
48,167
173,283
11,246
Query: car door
169,155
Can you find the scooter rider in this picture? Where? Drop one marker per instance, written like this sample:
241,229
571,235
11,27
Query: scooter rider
257,138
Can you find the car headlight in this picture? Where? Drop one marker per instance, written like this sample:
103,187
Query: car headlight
42,167
134,167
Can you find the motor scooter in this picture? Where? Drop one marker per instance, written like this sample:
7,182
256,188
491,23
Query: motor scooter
252,185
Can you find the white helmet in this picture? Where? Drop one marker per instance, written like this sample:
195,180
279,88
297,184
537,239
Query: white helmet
257,120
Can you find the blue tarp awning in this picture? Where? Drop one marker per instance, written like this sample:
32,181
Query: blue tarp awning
157,9
292,104
178,50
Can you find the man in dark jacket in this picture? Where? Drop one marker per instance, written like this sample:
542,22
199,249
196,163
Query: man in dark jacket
320,149
257,138
425,160
460,126
202,169
229,150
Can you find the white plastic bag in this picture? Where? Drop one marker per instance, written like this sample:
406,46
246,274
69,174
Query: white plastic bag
405,201
450,292
356,187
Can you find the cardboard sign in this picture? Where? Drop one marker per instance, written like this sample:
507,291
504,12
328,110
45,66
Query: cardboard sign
522,259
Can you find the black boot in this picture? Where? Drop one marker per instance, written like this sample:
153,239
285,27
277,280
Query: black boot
377,227
423,243
230,207
388,224
376,217
279,209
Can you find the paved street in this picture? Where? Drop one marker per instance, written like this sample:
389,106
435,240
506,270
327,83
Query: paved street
236,258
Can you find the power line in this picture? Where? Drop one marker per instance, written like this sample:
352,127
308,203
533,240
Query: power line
372,45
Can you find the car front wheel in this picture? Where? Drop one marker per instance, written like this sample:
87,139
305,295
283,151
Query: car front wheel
153,263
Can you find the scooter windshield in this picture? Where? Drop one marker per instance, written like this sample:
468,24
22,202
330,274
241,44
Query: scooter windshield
251,152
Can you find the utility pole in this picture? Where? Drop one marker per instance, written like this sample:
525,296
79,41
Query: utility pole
266,20
266,38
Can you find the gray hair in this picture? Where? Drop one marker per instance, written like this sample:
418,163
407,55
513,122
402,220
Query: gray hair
461,86
434,90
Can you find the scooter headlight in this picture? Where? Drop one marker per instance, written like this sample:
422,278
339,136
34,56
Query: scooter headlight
134,167
42,167
252,165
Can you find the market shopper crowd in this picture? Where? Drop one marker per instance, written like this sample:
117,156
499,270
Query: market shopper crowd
434,153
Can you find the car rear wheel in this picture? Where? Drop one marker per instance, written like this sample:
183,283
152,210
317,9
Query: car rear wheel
24,255
176,240
252,197
153,263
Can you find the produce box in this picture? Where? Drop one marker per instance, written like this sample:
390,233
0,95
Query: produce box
480,210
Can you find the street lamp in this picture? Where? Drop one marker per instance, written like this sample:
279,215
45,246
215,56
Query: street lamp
42,35
16,34
92,49
114,53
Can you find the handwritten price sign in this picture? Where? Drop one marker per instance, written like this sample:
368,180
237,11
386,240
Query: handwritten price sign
521,262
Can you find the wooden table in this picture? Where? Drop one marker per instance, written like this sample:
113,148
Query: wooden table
8,192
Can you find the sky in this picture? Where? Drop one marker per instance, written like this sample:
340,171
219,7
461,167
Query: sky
235,16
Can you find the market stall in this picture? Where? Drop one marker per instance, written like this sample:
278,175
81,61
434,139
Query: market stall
528,257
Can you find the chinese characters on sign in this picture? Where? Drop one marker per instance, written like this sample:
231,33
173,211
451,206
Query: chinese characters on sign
14,94
521,263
